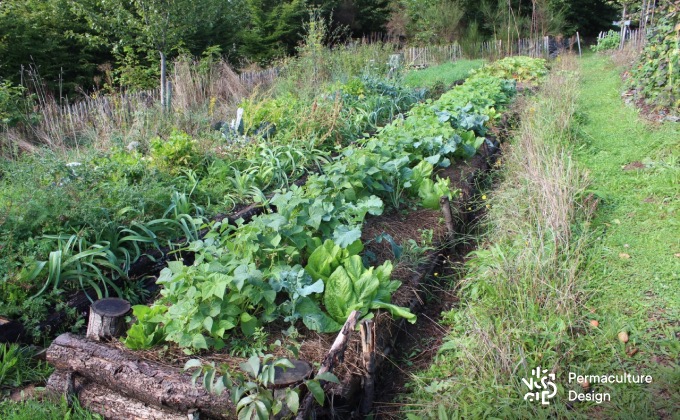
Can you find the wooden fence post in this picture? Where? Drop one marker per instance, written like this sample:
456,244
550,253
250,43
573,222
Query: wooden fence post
163,80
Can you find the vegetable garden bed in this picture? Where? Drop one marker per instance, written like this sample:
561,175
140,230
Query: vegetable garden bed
285,282
110,379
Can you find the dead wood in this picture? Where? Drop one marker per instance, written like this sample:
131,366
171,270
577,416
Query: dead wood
121,371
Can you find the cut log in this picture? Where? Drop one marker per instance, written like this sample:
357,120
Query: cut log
107,318
102,400
121,371
334,356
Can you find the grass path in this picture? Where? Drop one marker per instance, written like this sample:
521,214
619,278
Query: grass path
526,302
634,269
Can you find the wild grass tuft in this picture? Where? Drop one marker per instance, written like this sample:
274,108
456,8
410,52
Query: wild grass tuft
45,410
18,368
521,293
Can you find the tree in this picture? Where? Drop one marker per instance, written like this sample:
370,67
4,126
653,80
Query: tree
428,21
46,36
362,17
273,28
588,17
136,30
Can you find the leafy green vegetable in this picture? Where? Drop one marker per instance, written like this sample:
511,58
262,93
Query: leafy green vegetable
430,192
251,274
147,331
351,287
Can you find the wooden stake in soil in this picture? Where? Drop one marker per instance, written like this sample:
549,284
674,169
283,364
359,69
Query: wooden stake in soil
367,329
163,80
335,355
107,318
448,217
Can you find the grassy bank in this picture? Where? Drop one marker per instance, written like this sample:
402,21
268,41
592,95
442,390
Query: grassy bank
521,293
568,265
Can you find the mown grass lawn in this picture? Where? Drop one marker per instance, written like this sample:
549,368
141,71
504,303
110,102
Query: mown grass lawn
445,74
634,270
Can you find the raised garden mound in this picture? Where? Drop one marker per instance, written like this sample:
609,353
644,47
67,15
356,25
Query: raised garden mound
123,384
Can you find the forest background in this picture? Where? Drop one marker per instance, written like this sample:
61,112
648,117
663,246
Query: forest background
81,46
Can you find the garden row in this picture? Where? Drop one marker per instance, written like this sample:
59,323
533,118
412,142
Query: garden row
305,252
300,267
110,208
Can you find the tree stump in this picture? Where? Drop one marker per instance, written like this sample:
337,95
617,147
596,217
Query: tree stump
284,378
107,318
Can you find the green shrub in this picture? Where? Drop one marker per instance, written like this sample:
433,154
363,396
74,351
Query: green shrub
270,114
175,153
610,41
656,76
520,68
13,104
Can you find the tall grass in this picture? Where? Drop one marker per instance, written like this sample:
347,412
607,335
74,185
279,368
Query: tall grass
203,91
523,289
531,272
210,83
323,57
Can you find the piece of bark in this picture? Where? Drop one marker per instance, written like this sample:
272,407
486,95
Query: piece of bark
148,382
107,318
284,378
448,216
368,343
108,403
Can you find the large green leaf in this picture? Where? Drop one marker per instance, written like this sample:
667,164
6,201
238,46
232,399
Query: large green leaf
339,294
345,236
396,311
324,260
366,287
314,318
